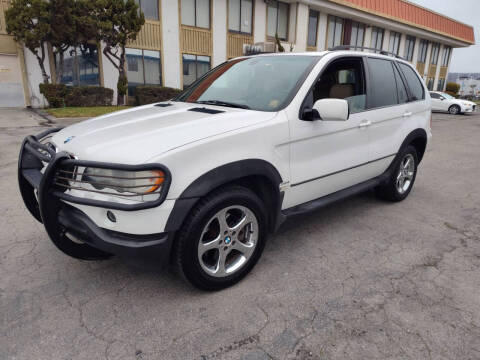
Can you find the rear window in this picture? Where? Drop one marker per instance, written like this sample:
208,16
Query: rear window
417,91
383,91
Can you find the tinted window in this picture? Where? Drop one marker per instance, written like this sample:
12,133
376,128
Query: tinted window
413,82
401,89
434,96
382,83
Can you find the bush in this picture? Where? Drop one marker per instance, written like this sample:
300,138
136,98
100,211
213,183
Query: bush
55,94
89,96
452,88
151,94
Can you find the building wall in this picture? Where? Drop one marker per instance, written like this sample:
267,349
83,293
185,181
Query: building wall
172,39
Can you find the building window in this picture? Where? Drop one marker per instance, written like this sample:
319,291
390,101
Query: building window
196,13
440,85
446,56
144,67
430,82
194,67
422,51
240,16
354,33
80,66
149,8
394,45
377,38
335,31
409,47
435,53
277,19
312,28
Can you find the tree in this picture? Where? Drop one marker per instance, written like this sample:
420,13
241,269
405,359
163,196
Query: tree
118,22
74,28
29,22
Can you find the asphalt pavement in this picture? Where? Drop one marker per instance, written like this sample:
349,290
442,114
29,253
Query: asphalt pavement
360,279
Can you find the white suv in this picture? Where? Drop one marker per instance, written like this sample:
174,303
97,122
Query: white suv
203,179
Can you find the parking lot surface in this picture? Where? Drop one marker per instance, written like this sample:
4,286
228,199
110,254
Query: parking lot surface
360,279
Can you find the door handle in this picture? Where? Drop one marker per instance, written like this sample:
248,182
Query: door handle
407,114
364,124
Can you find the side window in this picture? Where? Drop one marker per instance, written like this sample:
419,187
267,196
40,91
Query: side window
434,95
417,91
401,89
383,91
342,79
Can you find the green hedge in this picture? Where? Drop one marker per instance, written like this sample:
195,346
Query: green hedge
89,96
60,95
55,94
152,94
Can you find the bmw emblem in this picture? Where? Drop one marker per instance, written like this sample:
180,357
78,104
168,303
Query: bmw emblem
68,139
228,240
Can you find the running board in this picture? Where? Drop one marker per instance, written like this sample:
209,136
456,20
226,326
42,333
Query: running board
336,196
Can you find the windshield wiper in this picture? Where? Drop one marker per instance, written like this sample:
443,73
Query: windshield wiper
223,103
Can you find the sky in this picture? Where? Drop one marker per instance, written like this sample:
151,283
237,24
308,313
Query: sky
468,12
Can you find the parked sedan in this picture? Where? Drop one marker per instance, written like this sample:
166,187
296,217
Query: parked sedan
444,102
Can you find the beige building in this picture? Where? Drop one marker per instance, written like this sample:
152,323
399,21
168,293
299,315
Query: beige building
182,39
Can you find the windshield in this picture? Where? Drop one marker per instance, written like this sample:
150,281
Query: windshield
447,96
265,83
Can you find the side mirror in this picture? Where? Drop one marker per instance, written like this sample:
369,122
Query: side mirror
332,109
442,98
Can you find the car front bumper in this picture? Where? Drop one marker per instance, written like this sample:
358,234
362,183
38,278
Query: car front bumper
50,205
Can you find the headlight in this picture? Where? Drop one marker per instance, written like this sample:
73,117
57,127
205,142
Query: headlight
466,103
132,182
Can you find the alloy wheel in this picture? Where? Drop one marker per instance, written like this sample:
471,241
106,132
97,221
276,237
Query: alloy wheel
228,241
405,174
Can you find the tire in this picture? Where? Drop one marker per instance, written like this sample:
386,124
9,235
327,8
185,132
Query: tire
454,110
402,178
213,254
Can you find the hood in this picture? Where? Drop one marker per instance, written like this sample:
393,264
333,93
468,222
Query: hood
135,135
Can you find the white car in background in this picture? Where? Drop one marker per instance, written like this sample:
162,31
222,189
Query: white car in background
445,102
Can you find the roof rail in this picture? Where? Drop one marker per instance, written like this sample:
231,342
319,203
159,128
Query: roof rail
355,47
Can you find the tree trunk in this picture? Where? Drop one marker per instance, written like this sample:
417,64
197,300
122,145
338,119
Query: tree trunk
59,72
41,62
122,84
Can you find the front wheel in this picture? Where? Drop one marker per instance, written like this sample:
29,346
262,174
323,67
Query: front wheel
402,178
222,238
454,109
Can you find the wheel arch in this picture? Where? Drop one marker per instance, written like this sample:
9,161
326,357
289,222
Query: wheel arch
258,175
417,138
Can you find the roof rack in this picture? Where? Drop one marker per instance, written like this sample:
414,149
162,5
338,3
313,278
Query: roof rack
355,47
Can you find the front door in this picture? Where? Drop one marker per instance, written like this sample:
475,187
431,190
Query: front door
328,156
437,102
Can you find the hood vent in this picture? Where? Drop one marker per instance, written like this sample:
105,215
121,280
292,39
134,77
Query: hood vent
206,111
163,105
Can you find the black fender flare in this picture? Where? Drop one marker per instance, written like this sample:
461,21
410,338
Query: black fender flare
215,178
417,134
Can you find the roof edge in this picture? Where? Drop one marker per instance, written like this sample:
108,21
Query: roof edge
403,21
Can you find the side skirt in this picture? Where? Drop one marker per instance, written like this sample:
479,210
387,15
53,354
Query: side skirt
336,196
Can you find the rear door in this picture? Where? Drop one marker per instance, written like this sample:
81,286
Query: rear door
388,112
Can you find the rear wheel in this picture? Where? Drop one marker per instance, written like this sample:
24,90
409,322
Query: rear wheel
222,238
454,109
402,178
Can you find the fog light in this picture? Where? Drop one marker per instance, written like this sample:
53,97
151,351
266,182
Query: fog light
111,216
